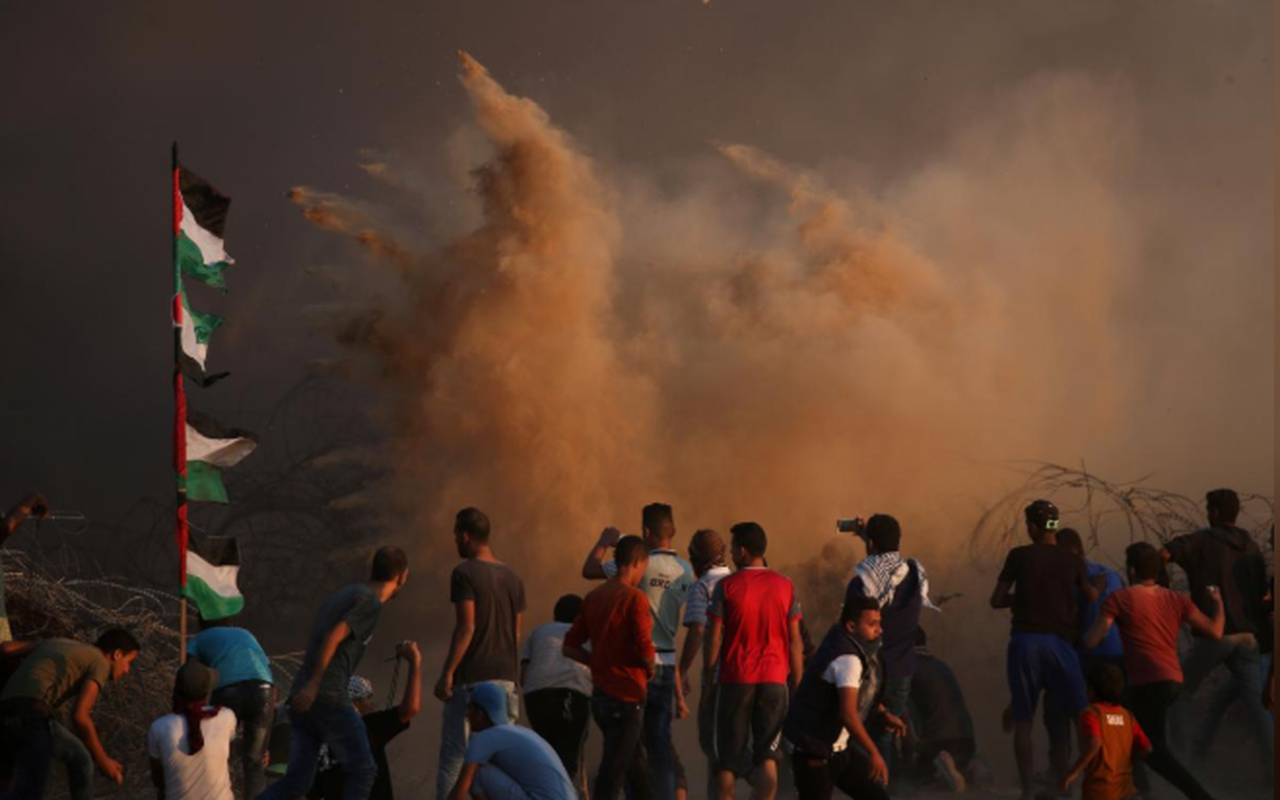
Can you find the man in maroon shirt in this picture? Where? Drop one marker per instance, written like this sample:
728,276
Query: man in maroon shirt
1149,618
615,620
754,654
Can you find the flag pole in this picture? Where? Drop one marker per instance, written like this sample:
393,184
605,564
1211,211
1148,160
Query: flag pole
180,528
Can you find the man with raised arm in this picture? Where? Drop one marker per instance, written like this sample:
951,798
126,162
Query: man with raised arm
33,505
320,711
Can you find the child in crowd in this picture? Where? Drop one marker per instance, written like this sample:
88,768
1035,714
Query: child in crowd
1110,740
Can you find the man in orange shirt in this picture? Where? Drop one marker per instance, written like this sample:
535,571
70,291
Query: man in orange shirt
615,620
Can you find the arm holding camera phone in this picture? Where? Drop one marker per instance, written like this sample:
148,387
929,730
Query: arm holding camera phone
33,504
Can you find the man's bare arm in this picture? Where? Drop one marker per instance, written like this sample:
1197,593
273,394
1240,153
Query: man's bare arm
464,629
462,788
1098,631
82,718
593,567
1002,597
33,503
328,646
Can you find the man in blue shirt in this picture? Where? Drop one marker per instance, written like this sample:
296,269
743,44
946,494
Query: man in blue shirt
245,685
505,761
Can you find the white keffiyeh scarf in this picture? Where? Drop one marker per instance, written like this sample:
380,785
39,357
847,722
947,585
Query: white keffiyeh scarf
883,573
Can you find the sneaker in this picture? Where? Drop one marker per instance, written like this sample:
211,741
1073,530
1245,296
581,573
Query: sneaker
947,770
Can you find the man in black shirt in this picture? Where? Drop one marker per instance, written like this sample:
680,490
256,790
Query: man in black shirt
1226,556
941,727
1043,584
382,727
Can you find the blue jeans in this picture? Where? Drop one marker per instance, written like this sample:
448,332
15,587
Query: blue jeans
254,705
75,757
339,727
26,752
897,694
1238,652
455,733
659,711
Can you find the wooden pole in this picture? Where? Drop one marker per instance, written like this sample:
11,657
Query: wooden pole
180,527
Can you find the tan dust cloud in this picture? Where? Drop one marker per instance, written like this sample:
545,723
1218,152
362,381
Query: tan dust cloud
594,344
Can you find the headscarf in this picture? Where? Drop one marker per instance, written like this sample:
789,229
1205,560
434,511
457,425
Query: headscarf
706,550
191,692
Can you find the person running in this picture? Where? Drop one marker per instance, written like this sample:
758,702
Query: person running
56,672
707,556
320,711
504,761
488,601
1111,740
754,657
557,690
245,685
1057,721
942,730
190,748
33,505
902,588
1149,617
1226,556
667,585
1043,584
615,621
841,692
380,726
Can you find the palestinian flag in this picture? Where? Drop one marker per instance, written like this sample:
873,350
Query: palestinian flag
211,447
202,220
213,564
197,330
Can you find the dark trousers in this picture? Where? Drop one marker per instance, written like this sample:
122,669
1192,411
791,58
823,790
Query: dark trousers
342,730
1150,705
624,760
26,749
254,705
850,772
659,711
561,716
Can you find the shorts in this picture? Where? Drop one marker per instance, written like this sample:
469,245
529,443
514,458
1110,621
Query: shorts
1044,662
749,714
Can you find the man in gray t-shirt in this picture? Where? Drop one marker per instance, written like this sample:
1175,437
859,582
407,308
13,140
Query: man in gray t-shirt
320,712
488,600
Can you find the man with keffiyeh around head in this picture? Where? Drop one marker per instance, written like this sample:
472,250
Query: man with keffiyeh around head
190,748
902,589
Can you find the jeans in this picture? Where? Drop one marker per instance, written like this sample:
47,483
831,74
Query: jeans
896,696
850,771
707,737
561,716
1150,704
1239,653
254,705
75,757
455,733
624,759
659,711
342,730
26,750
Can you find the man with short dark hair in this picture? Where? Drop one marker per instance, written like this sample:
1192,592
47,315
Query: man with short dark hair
666,584
320,711
488,601
707,556
1043,584
1226,556
54,673
557,690
616,622
1149,618
245,685
754,657
841,692
504,761
902,589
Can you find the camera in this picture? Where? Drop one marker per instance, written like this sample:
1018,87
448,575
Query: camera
856,526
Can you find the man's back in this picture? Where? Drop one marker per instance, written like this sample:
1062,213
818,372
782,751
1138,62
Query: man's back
1048,581
547,666
1110,646
941,712
1227,557
901,605
615,619
204,775
666,584
233,652
498,594
55,670
525,757
757,606
359,607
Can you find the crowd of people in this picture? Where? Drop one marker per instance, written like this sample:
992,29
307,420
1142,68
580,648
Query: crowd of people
868,710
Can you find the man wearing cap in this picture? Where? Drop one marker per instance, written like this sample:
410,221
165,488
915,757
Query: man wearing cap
382,727
1043,584
190,748
245,685
505,761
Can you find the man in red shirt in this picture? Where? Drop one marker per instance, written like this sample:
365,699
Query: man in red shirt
615,620
1149,617
754,653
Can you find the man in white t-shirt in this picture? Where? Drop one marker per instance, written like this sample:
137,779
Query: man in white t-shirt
190,748
557,690
666,583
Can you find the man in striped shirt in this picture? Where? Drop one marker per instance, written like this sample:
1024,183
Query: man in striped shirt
707,555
